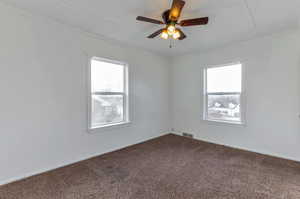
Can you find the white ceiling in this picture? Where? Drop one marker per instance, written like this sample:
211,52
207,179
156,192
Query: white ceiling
230,20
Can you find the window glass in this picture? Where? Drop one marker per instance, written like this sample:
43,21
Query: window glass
107,77
224,107
224,79
107,109
223,93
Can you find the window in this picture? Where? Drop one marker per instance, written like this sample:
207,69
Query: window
108,93
224,94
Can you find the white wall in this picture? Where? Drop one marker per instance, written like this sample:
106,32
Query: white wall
272,66
43,109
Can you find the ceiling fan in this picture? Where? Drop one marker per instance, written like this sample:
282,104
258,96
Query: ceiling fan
170,19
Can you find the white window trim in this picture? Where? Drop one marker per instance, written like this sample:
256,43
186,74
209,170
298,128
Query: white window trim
126,114
243,97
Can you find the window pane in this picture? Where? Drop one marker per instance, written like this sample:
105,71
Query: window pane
107,109
107,77
224,79
224,107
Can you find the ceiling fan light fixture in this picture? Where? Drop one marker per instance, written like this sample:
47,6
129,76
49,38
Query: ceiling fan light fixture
171,29
164,34
176,34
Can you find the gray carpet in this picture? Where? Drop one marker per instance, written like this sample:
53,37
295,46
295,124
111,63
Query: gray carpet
169,167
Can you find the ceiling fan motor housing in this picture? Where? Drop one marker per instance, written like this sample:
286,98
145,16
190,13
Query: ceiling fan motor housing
165,16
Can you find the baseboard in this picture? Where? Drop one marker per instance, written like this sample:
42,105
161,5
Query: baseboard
27,175
244,148
14,179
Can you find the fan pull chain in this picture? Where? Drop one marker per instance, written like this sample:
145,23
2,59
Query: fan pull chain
170,43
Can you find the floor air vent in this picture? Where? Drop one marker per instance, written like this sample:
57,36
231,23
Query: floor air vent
188,135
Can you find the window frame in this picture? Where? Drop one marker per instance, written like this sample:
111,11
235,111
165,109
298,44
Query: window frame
242,95
125,94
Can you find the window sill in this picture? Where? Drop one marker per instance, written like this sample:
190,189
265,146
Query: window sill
109,127
223,122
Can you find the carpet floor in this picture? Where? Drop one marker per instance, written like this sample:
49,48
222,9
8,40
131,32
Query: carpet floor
169,167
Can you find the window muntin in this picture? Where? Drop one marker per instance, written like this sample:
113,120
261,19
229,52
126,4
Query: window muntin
108,93
223,94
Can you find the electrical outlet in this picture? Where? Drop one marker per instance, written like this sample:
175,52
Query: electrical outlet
188,135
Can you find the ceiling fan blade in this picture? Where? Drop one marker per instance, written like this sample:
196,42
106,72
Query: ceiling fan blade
155,34
182,35
176,9
146,19
194,22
